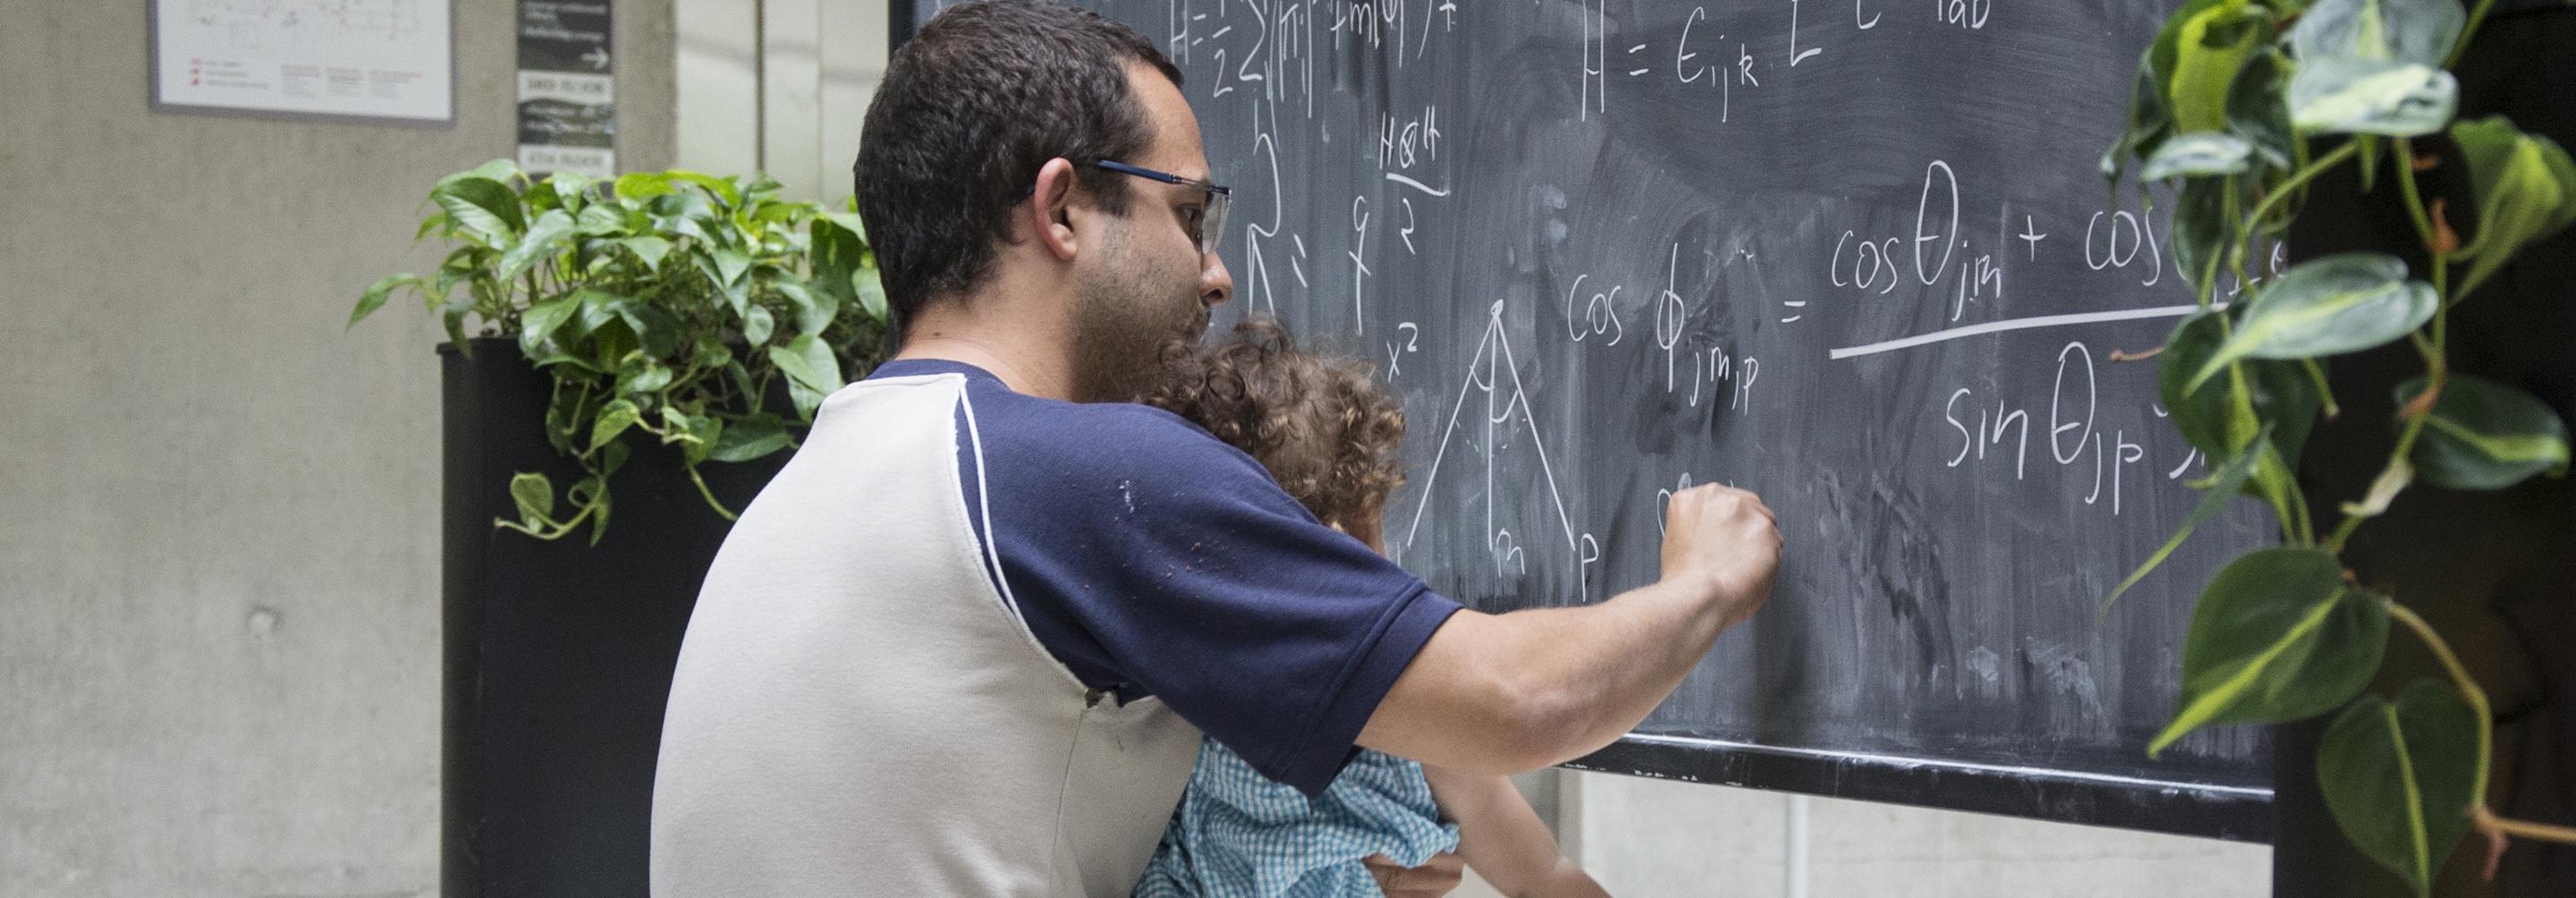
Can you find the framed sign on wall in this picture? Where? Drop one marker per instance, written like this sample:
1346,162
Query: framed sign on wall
373,61
567,88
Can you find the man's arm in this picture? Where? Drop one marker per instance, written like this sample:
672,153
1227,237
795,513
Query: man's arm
1516,692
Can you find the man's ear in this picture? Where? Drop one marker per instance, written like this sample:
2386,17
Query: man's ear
1049,214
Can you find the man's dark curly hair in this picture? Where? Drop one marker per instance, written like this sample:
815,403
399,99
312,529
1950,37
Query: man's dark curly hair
970,108
1322,426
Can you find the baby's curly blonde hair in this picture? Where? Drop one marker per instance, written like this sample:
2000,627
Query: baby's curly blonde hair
1321,425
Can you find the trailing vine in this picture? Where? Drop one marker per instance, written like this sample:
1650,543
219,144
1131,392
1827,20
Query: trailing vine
2233,100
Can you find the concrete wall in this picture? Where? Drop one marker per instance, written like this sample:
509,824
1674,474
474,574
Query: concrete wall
219,668
778,86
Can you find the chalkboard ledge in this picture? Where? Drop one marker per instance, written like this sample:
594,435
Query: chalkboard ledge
2233,813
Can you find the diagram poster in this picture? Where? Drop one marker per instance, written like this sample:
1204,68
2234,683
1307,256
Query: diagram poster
567,93
379,60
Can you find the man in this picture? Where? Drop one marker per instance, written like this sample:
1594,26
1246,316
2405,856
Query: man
966,642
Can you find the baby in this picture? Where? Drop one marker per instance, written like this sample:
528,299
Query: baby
1329,436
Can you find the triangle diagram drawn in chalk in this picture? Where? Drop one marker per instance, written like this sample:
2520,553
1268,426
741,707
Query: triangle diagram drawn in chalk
1493,379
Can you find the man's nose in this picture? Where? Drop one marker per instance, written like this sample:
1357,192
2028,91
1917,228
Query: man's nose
1216,284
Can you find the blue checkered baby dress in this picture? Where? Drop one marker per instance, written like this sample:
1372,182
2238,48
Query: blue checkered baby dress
1237,834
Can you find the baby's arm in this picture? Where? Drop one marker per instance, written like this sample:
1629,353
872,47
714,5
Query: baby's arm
1502,839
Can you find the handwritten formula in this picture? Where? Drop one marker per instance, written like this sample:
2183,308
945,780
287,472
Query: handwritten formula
1854,255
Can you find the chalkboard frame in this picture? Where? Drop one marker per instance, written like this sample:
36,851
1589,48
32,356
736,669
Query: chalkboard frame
2236,813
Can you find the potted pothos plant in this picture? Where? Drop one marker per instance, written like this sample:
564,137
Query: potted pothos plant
657,341
664,306
2245,103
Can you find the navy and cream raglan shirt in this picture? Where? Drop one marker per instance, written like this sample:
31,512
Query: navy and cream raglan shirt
966,642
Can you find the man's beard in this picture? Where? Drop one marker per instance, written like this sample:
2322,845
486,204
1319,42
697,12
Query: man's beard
1124,326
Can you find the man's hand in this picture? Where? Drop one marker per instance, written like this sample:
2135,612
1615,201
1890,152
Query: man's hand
1727,538
1431,880
1515,692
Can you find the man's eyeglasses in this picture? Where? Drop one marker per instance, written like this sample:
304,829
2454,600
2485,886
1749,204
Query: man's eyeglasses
1207,226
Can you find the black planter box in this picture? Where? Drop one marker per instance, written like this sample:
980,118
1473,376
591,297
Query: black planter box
558,654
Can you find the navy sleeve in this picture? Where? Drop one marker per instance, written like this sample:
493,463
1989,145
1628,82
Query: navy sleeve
1152,559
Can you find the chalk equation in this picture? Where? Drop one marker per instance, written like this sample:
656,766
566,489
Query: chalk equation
1408,143
1853,255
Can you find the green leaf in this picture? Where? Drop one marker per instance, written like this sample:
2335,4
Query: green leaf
730,264
2281,395
459,266
612,458
614,418
650,249
750,437
563,415
2278,636
2225,483
847,221
598,496
2198,153
813,373
568,188
839,246
2399,778
683,226
656,330
2338,304
2202,230
2526,190
2417,31
376,294
2483,435
2346,94
498,170
723,188
710,353
600,221
699,437
535,496
541,321
598,308
872,295
2162,54
641,376
2212,46
453,318
2148,122
814,309
757,325
481,205
767,211
547,237
2255,111
641,185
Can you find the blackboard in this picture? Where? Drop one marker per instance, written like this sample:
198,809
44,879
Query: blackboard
1854,255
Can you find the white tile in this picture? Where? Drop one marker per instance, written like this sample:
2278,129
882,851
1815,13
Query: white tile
1646,838
1653,837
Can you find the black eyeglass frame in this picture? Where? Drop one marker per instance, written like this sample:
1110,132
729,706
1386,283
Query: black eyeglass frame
1211,219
